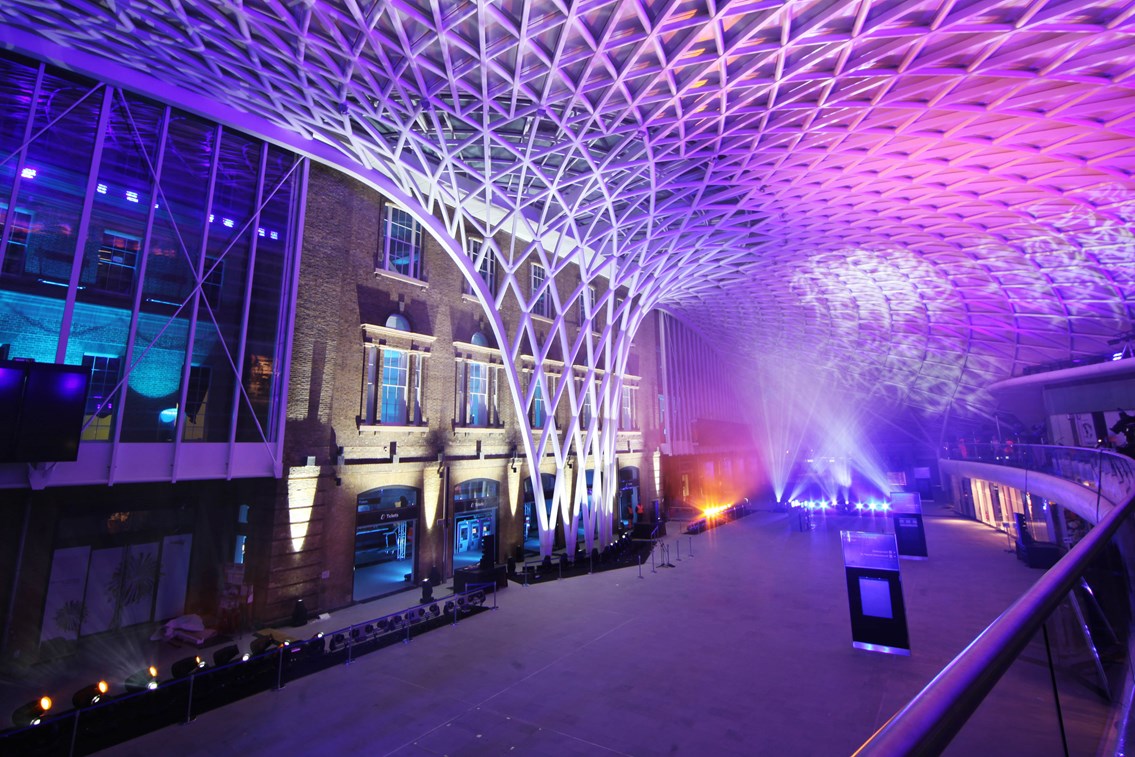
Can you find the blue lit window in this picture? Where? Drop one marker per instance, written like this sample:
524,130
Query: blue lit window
402,243
476,389
539,414
100,394
395,373
392,384
478,407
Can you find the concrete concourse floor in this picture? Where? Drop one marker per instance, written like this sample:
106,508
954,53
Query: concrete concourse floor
743,648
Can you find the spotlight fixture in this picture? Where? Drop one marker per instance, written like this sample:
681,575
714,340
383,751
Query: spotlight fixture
32,712
89,695
187,666
315,646
427,592
146,678
262,644
225,655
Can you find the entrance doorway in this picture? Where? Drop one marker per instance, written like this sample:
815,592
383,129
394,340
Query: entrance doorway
628,494
531,518
475,507
385,528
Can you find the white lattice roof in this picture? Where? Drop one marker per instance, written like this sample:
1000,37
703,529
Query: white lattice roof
919,196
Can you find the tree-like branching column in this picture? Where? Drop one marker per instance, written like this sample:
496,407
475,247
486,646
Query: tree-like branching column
876,192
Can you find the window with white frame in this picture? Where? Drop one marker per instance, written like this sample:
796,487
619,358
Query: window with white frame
393,370
395,375
584,405
543,304
538,414
593,305
477,399
628,409
401,243
477,384
487,267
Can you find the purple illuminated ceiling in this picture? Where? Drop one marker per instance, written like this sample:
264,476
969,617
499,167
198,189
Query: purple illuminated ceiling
921,197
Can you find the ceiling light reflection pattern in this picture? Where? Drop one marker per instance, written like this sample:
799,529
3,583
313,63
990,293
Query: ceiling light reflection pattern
913,206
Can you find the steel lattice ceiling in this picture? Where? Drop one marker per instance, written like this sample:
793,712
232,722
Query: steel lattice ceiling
921,197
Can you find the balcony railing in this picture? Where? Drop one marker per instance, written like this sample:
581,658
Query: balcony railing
930,721
1104,471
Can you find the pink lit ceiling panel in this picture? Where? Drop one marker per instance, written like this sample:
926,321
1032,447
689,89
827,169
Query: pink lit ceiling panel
917,197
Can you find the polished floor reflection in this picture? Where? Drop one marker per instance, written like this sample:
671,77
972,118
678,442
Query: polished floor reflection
743,648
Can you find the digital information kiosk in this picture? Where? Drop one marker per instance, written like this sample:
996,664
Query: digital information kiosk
874,592
910,532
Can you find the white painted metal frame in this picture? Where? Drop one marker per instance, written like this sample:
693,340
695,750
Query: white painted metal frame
912,197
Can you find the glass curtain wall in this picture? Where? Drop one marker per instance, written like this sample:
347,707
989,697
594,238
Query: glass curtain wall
150,245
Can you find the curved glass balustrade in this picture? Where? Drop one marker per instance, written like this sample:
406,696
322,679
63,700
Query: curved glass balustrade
1067,640
1101,470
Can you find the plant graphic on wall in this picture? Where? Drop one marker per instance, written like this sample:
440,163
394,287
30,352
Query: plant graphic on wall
70,616
133,581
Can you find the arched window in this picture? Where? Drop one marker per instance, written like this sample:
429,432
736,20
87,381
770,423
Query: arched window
475,504
397,321
385,523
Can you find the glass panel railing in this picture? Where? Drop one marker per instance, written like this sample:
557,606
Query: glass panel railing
196,685
1102,470
1061,652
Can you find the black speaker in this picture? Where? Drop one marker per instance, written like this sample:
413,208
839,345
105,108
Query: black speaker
488,550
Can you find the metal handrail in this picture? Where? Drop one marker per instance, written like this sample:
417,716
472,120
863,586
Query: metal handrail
926,725
1102,470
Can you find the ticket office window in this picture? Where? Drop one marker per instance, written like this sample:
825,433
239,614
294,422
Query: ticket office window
386,525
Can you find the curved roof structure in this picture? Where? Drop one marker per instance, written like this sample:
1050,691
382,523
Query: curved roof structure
918,197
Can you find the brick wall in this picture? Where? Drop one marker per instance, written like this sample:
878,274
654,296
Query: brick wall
338,292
